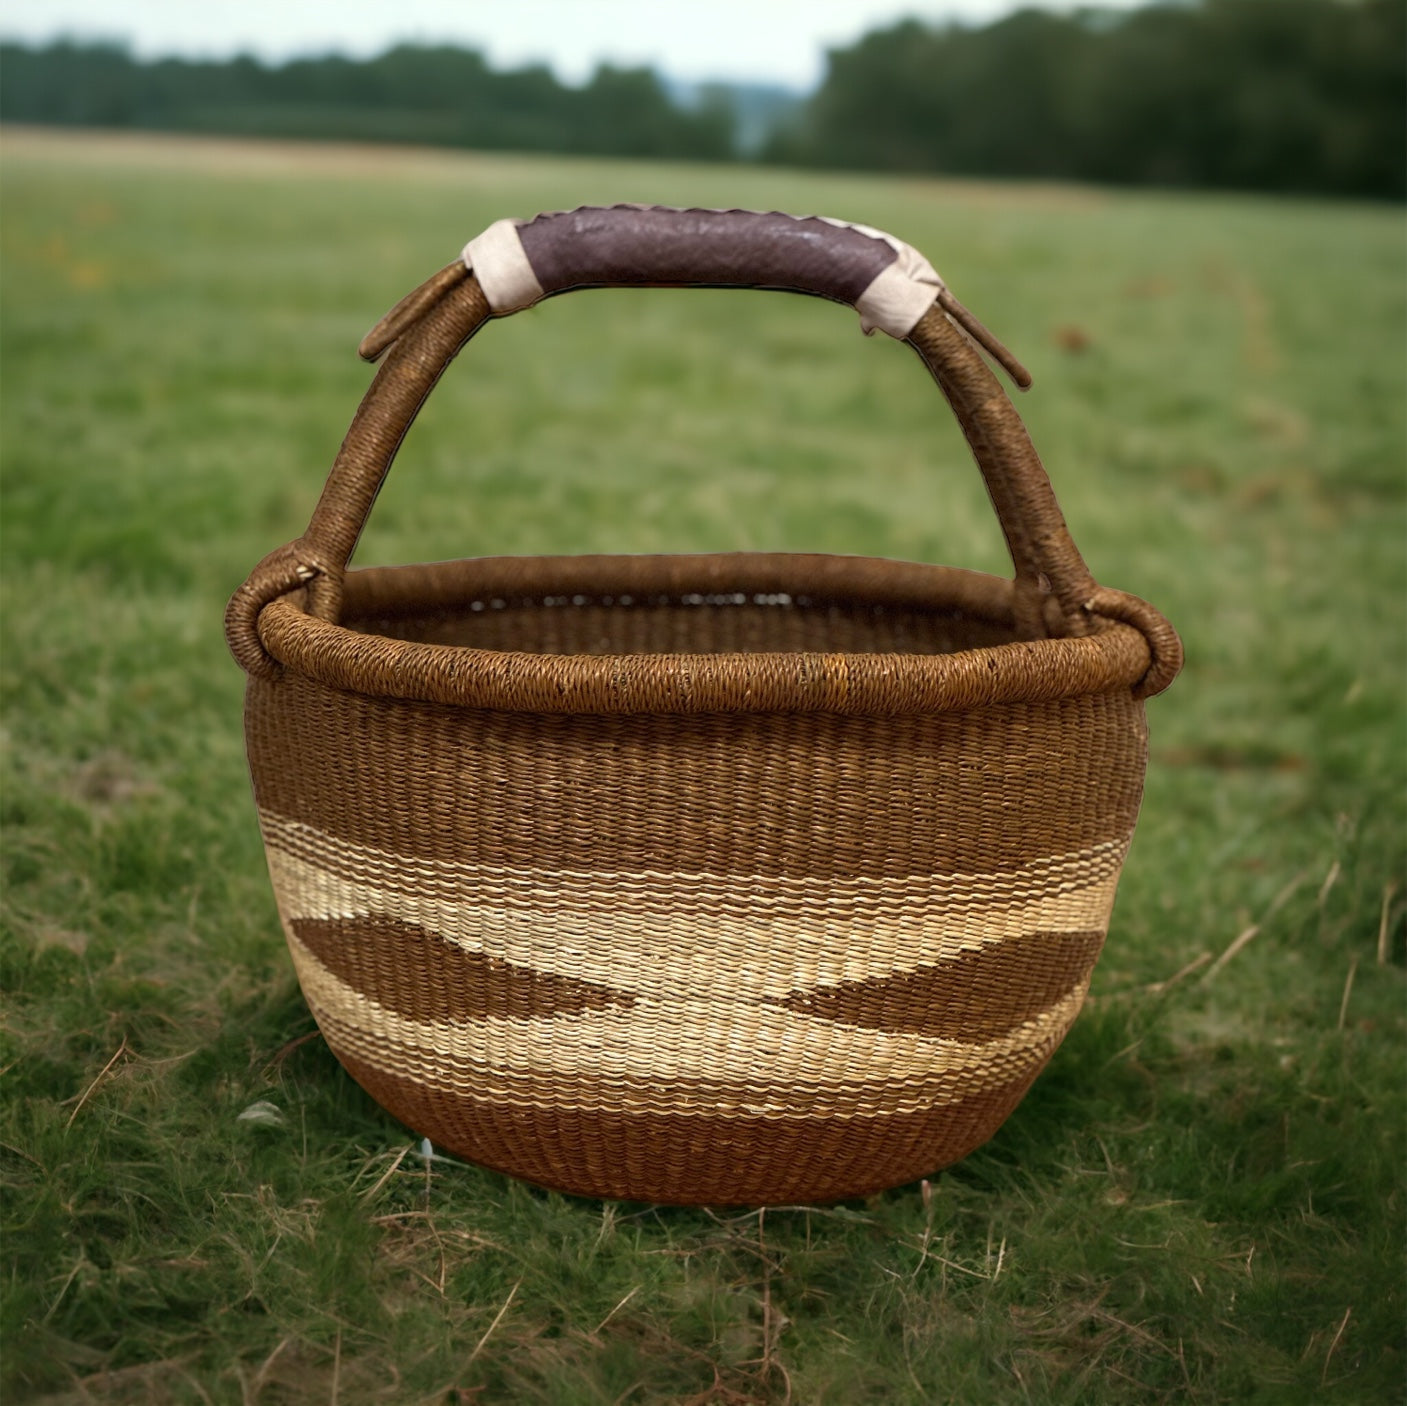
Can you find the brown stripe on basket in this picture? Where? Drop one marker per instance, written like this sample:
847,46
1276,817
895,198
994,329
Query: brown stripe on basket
613,1151
979,995
425,977
877,795
691,936
701,1056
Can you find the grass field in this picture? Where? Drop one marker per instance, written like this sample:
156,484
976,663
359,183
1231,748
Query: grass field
1201,1200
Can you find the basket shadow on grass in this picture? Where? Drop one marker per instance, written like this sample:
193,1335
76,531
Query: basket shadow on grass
776,1266
755,1260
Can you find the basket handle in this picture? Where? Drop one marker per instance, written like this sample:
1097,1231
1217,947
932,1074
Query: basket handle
515,264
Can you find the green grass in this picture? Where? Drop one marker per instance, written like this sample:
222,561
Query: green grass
1201,1200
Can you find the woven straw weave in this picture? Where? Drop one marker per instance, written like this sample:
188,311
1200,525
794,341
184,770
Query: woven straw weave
738,878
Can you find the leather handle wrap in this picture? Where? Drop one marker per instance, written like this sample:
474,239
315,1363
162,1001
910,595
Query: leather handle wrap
721,248
631,246
647,246
520,262
889,283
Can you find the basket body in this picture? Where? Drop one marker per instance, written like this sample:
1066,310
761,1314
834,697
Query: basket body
723,879
698,957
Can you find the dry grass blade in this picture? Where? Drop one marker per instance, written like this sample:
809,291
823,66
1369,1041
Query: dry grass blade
615,1310
1347,992
1133,1329
1182,1362
1244,937
102,1074
961,1268
1385,922
497,1319
58,1298
772,1322
1196,964
1333,1346
251,1390
295,1044
20,1152
386,1175
1240,940
150,1381
1330,879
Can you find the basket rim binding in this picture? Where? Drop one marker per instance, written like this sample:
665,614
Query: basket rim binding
1114,656
1073,636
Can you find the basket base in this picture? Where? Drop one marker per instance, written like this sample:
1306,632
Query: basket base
674,1159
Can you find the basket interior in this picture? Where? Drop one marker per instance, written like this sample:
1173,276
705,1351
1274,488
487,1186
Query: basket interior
688,623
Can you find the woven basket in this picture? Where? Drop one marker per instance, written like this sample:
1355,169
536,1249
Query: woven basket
701,879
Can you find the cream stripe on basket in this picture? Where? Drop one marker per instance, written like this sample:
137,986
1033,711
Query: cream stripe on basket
662,1043
1057,873
684,934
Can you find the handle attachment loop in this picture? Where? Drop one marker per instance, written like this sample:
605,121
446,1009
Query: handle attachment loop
285,569
1164,646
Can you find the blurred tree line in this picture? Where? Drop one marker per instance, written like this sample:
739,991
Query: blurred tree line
440,96
1289,95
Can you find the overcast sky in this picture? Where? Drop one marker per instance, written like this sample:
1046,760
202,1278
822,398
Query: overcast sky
781,41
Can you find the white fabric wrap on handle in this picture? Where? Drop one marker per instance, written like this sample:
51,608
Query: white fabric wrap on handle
893,302
497,258
902,293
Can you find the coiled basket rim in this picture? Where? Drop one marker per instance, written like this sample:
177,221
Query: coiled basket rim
1112,657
